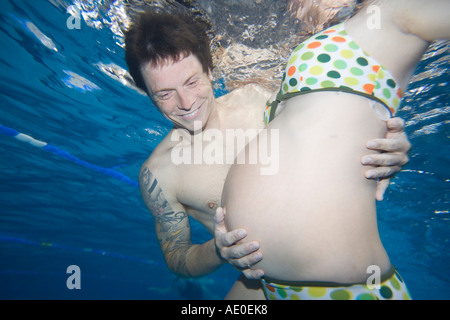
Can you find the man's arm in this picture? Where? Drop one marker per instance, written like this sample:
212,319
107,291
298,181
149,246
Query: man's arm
174,233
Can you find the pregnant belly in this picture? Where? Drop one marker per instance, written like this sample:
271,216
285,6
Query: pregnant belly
315,216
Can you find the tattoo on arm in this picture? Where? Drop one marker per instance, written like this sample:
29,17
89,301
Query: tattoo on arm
172,228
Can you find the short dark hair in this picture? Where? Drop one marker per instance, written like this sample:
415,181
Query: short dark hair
156,37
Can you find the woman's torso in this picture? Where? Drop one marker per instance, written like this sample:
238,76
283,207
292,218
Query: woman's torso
315,218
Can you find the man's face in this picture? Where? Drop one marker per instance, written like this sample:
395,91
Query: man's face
181,90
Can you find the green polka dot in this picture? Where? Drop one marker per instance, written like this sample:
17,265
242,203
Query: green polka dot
333,74
367,296
353,45
327,84
351,81
293,58
307,55
305,89
362,61
282,292
331,48
311,81
396,102
372,77
272,297
340,64
295,297
377,84
296,289
356,71
386,292
299,47
317,292
347,54
316,70
285,87
343,33
341,295
386,93
380,74
302,67
321,37
293,82
391,83
324,58
395,283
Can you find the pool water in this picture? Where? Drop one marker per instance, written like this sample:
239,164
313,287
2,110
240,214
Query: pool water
74,132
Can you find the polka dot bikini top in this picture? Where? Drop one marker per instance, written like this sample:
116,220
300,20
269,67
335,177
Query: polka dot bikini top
331,60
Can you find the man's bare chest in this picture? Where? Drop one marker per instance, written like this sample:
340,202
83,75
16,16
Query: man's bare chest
199,188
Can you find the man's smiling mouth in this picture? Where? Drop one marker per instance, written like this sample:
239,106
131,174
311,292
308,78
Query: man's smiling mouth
191,115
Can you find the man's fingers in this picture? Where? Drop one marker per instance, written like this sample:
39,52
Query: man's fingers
386,165
230,238
241,253
395,124
382,185
247,261
253,274
381,172
220,230
219,218
389,145
385,159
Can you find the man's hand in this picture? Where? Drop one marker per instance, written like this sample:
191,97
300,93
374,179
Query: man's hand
243,255
394,154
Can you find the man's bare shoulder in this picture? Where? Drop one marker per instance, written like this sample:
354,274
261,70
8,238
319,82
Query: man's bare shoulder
248,92
244,107
159,162
249,96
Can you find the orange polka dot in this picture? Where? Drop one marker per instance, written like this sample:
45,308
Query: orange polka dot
271,289
392,110
375,68
291,70
399,92
338,39
329,31
313,45
368,87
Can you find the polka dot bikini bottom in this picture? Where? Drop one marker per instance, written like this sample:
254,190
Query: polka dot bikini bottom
331,60
391,287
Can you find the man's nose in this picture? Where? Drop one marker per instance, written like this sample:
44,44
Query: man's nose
186,100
